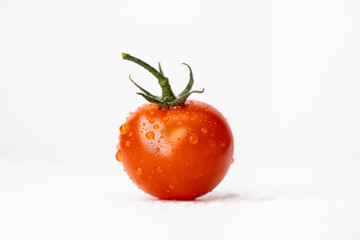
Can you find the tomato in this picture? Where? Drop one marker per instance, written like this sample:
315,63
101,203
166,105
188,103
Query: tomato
179,152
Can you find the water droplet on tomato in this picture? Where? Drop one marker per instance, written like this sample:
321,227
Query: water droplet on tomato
180,122
139,171
212,143
150,135
118,156
124,128
162,131
186,163
223,144
130,134
204,130
166,118
151,112
158,149
156,126
158,169
127,143
152,120
138,182
192,137
171,186
192,119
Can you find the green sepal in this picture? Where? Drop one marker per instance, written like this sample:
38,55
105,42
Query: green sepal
160,69
168,99
143,90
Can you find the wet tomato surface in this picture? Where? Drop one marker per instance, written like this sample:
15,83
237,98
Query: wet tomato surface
179,153
174,148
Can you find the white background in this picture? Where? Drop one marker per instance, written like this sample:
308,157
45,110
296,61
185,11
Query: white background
285,74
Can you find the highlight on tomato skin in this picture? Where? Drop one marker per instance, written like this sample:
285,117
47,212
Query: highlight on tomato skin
180,153
174,148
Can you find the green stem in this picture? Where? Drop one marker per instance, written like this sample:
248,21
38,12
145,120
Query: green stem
168,98
167,93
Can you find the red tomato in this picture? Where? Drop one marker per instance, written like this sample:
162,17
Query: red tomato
176,153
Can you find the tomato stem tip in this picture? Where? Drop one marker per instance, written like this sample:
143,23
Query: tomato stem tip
168,98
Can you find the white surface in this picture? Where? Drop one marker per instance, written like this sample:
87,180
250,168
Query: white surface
289,69
72,201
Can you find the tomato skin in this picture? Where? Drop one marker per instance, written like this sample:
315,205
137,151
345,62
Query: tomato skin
180,153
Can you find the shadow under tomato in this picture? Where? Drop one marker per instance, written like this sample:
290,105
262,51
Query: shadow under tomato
235,197
220,197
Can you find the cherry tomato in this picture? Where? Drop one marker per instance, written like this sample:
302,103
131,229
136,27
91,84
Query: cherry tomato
177,152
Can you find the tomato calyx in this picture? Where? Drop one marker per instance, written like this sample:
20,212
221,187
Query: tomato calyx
168,98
